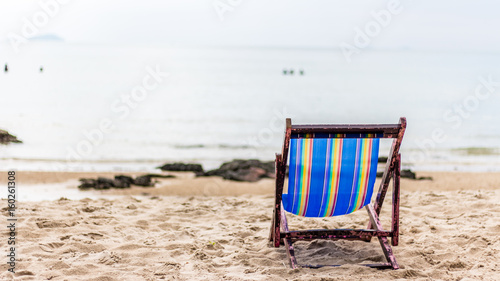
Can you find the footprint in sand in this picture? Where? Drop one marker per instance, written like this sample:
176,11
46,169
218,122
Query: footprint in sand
109,258
167,269
50,247
24,273
94,236
53,224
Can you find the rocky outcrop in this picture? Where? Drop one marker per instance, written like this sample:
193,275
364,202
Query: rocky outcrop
407,174
238,170
6,138
243,170
181,167
120,181
99,183
382,159
144,181
124,181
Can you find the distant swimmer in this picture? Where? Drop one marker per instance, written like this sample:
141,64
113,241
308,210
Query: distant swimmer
291,71
301,72
285,71
41,68
6,69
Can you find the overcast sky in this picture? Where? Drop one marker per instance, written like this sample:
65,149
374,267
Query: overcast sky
419,24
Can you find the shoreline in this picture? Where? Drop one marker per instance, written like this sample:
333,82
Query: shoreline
477,164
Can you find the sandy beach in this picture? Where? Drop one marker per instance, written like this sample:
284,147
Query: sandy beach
145,137
190,228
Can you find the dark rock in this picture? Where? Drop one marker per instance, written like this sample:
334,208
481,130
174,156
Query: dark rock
143,181
408,174
120,184
6,138
243,170
120,181
181,167
425,178
382,159
251,174
126,180
146,180
160,176
210,173
246,164
104,183
100,183
87,183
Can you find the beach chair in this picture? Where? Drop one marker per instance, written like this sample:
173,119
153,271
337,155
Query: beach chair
332,172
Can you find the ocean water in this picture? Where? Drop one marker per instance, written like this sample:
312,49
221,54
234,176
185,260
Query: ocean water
115,108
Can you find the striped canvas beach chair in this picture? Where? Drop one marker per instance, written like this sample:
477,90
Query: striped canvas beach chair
332,170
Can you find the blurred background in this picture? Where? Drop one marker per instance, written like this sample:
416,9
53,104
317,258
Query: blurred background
123,86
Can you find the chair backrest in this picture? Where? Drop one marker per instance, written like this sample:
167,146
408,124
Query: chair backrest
332,168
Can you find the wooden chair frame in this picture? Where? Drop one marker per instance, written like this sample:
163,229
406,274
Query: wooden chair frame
280,233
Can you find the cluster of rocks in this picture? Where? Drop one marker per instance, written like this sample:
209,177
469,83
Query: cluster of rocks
181,167
238,170
251,170
243,170
6,138
120,181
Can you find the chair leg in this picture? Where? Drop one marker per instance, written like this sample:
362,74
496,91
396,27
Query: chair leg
384,242
389,255
395,202
278,198
271,230
276,229
290,251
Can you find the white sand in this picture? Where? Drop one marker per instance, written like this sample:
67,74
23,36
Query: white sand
446,234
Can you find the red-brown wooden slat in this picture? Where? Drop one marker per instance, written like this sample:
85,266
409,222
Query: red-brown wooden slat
333,234
384,243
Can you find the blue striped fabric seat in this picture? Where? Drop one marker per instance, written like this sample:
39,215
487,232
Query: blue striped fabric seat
330,176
